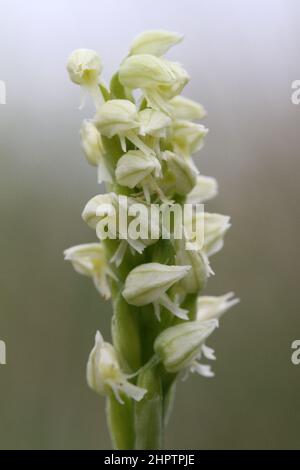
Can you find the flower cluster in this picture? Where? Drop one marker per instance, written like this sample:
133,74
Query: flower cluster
142,139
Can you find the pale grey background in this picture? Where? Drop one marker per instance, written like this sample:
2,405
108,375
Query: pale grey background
242,57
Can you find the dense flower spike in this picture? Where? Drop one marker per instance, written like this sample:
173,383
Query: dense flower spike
154,265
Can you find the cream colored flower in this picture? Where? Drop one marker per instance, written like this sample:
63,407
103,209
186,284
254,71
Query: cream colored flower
85,67
205,188
136,168
180,176
186,109
120,117
89,259
209,307
104,373
93,149
154,42
187,137
179,347
148,284
159,79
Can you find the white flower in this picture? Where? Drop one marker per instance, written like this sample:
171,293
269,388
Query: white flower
196,278
89,259
187,137
205,188
93,149
159,79
209,307
148,284
153,122
215,227
135,168
186,109
179,347
180,176
120,117
104,373
102,206
84,67
154,42
115,216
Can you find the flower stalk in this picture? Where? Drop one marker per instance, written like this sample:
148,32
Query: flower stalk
142,148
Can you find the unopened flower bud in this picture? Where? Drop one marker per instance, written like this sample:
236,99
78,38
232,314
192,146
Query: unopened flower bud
215,227
89,259
154,42
209,307
184,108
134,167
104,372
149,282
205,188
179,346
84,67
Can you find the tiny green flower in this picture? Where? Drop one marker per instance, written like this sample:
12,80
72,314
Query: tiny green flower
179,346
149,282
89,259
154,42
104,373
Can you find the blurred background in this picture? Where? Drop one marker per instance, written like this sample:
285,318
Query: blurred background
242,57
